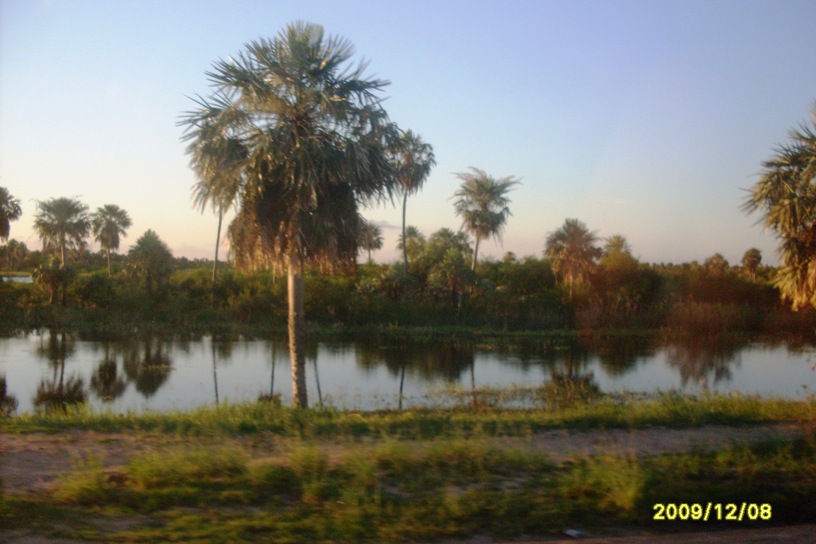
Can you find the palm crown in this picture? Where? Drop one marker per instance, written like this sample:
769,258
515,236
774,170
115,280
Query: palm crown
109,223
62,223
573,252
786,193
9,211
482,204
296,138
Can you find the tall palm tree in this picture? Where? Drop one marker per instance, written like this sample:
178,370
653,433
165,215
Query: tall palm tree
298,139
217,162
62,223
109,223
414,159
371,238
786,196
482,204
573,252
9,211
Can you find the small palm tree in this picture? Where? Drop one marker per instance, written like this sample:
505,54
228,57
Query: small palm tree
371,239
482,205
62,223
716,264
617,243
152,258
298,139
9,211
573,252
414,159
751,261
109,223
415,242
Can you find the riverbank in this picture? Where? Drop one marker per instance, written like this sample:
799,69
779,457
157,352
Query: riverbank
262,473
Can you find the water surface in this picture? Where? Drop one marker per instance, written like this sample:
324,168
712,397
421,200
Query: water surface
161,374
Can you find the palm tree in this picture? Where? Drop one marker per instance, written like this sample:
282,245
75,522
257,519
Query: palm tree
751,260
617,243
9,211
415,242
217,162
786,195
573,252
62,223
109,223
371,238
152,258
298,139
414,160
482,204
716,264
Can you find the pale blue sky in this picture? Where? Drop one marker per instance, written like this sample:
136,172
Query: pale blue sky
642,118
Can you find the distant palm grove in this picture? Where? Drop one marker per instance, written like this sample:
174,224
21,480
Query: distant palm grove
295,139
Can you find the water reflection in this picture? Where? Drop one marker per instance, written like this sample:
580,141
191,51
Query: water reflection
705,360
170,373
106,382
147,363
58,393
422,361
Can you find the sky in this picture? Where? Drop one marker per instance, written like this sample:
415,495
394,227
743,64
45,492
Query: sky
646,118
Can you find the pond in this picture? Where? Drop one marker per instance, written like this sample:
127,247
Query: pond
161,374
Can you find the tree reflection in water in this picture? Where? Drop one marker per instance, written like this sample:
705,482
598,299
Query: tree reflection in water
106,382
221,346
8,403
425,361
59,393
699,359
147,364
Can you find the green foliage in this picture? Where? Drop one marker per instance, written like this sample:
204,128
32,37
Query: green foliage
785,196
62,224
10,210
151,258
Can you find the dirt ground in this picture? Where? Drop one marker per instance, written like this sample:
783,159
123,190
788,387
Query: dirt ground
30,463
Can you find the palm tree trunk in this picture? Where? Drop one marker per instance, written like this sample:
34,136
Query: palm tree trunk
402,383
404,241
217,241
297,332
317,379
215,370
109,265
475,253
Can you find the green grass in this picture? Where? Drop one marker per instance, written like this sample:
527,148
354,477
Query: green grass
262,473
623,411
396,491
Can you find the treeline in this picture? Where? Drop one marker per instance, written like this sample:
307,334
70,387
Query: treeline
440,288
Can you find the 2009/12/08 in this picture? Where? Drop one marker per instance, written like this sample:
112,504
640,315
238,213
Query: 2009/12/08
700,511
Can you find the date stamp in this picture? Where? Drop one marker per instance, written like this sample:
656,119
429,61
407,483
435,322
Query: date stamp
712,511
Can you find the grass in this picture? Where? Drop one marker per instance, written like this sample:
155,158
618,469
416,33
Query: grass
573,410
395,491
262,473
